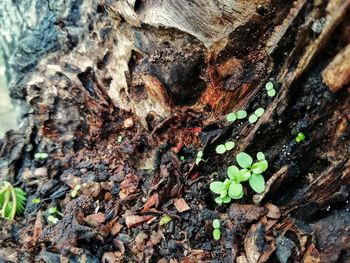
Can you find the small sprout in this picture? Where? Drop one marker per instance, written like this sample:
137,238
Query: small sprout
54,210
165,220
182,158
52,219
41,156
120,139
216,231
231,117
36,200
75,191
199,157
271,92
222,148
300,137
232,188
256,115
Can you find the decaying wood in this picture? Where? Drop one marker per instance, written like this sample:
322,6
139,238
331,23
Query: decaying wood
337,73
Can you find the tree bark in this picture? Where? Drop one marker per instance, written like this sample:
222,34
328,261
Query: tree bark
173,66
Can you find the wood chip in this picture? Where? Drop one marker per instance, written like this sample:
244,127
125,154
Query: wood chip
312,255
181,205
116,228
135,220
274,211
95,219
152,201
242,259
337,73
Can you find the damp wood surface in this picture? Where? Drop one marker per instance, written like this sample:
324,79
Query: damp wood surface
122,94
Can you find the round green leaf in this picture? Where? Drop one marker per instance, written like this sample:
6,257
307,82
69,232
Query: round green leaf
216,223
229,146
231,117
217,187
257,183
165,220
244,160
260,156
218,200
259,112
260,167
269,85
235,189
243,175
232,172
226,199
198,160
216,234
253,118
200,154
220,149
238,197
241,114
271,93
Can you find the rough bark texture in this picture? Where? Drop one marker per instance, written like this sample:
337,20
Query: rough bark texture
85,68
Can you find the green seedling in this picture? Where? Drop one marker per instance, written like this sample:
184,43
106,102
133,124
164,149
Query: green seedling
271,92
233,116
165,220
222,148
41,156
120,139
217,230
199,157
300,137
53,211
36,201
12,200
75,191
232,188
182,158
52,219
256,115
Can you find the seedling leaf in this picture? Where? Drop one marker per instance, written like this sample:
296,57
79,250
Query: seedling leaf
257,183
232,172
260,156
229,146
220,149
259,167
226,199
244,160
253,118
218,200
259,112
269,86
216,223
200,154
241,114
243,175
217,187
216,234
235,189
165,220
231,117
271,93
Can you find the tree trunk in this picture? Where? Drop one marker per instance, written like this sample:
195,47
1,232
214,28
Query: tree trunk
132,85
